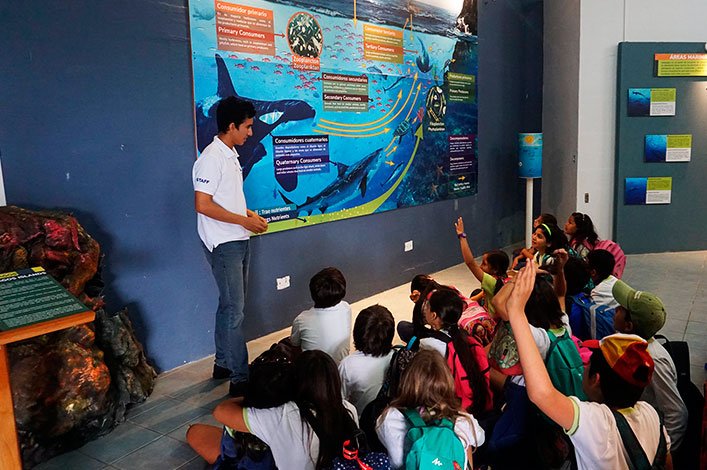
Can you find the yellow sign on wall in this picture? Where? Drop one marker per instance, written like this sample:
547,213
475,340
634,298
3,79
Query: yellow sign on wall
681,65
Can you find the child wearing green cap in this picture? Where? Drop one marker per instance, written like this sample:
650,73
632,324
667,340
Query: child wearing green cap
643,314
619,370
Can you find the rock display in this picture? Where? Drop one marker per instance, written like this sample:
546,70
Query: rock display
74,385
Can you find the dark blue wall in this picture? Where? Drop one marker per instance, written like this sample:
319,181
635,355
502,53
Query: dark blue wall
96,118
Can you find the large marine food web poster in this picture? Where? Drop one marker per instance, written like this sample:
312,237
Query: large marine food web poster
362,106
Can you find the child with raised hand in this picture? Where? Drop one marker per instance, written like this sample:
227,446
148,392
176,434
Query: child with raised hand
363,370
427,390
326,326
492,270
580,230
620,368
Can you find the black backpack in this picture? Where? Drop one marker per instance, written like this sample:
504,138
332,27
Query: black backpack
687,456
389,389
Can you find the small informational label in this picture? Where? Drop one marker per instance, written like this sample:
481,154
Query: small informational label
658,190
301,154
274,214
32,296
346,93
668,148
241,28
663,101
461,154
681,65
460,185
640,191
651,101
382,44
461,87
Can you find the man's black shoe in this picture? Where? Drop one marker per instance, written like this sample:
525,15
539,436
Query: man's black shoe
220,372
237,389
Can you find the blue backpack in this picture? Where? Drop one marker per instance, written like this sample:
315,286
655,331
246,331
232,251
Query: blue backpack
589,320
434,445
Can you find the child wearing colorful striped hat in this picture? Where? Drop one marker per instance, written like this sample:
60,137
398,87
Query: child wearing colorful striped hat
614,429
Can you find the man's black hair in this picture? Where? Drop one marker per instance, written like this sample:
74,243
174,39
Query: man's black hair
233,110
327,287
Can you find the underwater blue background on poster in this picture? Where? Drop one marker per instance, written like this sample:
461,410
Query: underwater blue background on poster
389,151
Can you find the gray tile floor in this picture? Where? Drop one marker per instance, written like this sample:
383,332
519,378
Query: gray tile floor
153,437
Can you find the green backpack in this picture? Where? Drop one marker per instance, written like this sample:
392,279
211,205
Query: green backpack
434,445
564,365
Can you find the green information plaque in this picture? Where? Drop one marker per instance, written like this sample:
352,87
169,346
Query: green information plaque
32,296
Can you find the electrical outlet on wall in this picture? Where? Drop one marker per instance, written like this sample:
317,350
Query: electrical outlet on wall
408,245
586,198
283,282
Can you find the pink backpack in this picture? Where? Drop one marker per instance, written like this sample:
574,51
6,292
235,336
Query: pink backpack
613,248
476,321
462,383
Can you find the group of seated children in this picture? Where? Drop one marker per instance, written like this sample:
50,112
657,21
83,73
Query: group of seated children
502,372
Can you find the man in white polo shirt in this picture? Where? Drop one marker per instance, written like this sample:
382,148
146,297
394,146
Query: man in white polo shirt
224,224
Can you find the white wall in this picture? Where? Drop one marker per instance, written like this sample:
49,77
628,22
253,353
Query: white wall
603,24
601,31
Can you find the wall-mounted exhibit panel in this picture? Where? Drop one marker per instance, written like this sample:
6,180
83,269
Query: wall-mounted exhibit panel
360,109
661,147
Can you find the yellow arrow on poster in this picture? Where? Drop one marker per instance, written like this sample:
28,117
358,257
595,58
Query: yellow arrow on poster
414,102
354,15
391,152
343,124
389,120
389,144
364,209
354,136
370,207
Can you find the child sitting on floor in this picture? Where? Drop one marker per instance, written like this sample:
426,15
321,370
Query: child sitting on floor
306,433
465,356
427,393
601,264
326,326
643,314
492,270
620,369
580,230
519,256
363,370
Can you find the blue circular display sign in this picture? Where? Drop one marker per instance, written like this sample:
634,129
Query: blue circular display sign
530,155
